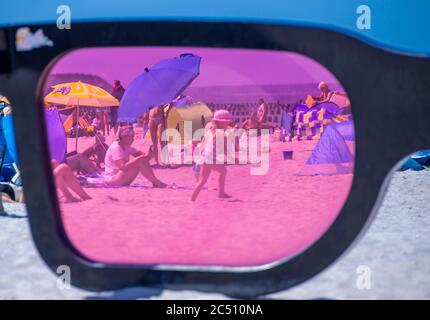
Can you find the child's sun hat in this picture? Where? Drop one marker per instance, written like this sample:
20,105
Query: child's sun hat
222,115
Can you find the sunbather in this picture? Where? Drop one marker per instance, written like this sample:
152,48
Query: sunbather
65,180
157,124
261,112
253,123
97,151
326,93
120,170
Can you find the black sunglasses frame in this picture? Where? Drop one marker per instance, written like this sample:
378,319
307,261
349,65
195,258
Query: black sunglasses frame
389,94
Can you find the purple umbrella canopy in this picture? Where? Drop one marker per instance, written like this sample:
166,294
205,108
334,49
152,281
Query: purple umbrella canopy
183,101
56,135
158,85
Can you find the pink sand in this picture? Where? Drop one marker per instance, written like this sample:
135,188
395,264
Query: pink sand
269,217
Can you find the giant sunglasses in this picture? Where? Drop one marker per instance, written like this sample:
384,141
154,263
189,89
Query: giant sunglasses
388,93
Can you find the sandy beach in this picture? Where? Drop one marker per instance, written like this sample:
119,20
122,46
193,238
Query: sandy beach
395,247
268,218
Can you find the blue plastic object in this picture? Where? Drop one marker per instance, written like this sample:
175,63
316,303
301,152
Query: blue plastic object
398,25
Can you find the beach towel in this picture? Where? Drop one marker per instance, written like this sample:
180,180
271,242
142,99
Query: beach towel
99,181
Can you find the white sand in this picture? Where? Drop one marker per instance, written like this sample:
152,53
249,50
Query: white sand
396,248
254,227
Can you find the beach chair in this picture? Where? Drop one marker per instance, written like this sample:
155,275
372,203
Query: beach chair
9,171
5,186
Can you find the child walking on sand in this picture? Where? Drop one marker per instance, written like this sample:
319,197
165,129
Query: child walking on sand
221,120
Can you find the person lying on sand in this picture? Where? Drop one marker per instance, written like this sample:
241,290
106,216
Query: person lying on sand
120,170
221,120
65,180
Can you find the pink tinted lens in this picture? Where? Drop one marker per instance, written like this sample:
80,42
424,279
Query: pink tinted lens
197,156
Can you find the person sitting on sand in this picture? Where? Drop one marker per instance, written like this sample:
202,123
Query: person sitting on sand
96,123
81,163
65,180
251,122
119,169
326,93
97,151
221,120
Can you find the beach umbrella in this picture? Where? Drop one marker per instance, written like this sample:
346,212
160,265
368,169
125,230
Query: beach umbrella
80,96
182,101
158,85
57,140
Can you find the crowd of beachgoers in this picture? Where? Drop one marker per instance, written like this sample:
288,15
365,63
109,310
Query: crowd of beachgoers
119,163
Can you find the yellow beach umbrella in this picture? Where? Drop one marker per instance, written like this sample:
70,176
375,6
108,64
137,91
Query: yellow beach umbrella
80,94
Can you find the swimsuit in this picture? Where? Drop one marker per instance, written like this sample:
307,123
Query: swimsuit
159,119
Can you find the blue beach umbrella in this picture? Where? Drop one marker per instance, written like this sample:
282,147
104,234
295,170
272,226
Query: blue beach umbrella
183,101
158,85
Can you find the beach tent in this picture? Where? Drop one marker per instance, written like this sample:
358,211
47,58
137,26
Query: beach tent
300,108
309,125
346,129
422,157
193,113
411,164
417,161
331,155
56,136
328,106
286,121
